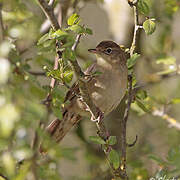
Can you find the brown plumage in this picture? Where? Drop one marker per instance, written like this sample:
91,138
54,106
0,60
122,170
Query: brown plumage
106,89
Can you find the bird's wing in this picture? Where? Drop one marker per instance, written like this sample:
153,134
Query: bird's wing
74,90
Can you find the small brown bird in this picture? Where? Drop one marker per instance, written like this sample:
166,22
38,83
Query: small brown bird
106,89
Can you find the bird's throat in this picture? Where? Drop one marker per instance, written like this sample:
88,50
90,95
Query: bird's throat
103,62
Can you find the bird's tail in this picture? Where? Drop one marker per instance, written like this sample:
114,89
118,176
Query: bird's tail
57,129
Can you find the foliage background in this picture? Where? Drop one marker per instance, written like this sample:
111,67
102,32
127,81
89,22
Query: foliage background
155,119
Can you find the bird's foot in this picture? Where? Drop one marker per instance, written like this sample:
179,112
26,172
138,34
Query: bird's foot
99,116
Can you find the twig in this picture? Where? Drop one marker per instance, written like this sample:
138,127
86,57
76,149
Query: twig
172,122
136,27
48,10
51,2
76,42
1,24
123,122
37,73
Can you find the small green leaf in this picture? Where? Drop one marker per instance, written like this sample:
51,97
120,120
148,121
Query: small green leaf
142,105
44,38
68,54
54,73
114,158
144,7
59,33
88,31
132,61
112,140
77,29
73,19
141,94
48,43
68,75
149,26
97,140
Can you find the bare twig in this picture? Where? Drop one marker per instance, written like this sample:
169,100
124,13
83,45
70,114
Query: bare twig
1,24
48,10
76,42
161,113
123,122
37,73
136,27
51,2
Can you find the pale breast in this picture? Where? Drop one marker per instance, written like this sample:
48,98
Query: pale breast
107,89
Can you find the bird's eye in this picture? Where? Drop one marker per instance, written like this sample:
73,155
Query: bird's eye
108,50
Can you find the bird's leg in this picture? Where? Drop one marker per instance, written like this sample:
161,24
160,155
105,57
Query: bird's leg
102,131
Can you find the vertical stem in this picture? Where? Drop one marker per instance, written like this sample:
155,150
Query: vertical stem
2,30
123,123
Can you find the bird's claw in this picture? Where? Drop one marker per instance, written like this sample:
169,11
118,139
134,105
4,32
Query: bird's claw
100,116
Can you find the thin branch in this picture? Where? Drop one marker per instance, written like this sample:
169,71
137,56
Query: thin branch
76,42
51,2
172,122
136,27
56,24
123,122
2,29
37,73
48,10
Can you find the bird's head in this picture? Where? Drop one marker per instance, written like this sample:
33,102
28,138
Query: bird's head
108,51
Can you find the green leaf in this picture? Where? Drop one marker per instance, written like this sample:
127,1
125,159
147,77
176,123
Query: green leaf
59,33
44,38
97,140
89,31
73,19
54,73
144,7
142,105
149,26
68,75
77,29
132,61
68,54
48,43
170,60
114,158
112,140
141,94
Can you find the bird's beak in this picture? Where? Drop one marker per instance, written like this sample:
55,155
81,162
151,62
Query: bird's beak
92,51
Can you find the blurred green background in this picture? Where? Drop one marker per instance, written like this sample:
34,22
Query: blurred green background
24,85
